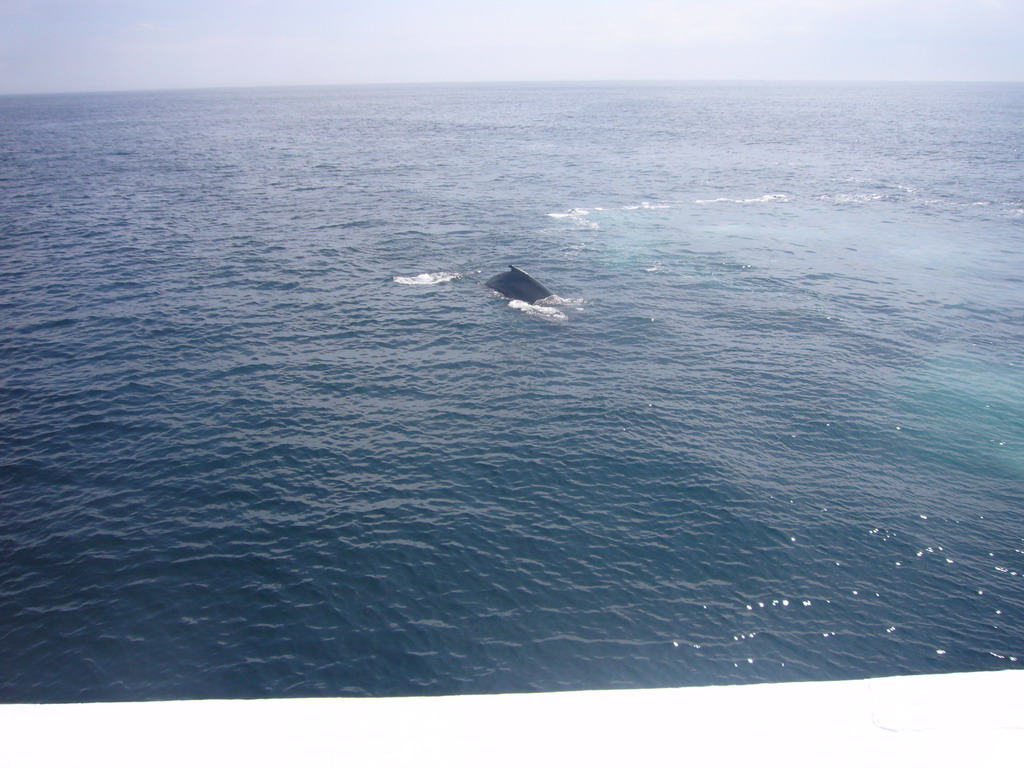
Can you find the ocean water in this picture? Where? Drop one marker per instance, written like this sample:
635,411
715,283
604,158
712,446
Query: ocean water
264,432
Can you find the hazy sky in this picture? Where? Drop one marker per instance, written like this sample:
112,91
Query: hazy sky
76,45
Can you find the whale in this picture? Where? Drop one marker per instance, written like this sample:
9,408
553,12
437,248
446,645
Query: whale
516,284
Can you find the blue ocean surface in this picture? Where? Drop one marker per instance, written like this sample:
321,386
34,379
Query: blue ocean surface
265,433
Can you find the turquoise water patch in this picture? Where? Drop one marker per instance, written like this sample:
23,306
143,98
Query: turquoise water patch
968,412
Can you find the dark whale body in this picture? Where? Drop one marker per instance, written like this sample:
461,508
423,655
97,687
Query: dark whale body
516,284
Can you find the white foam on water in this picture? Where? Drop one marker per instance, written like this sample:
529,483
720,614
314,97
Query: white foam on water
577,216
571,213
777,198
554,300
843,197
646,206
539,310
428,278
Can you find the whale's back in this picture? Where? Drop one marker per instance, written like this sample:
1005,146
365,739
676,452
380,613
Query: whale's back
516,284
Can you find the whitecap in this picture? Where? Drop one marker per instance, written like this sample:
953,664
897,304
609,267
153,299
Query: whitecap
845,197
768,199
428,278
646,206
571,213
577,216
775,198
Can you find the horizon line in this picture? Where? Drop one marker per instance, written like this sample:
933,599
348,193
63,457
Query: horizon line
435,83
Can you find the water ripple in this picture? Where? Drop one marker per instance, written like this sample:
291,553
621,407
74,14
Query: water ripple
266,433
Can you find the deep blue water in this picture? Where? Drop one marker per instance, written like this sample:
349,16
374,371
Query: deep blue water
263,431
